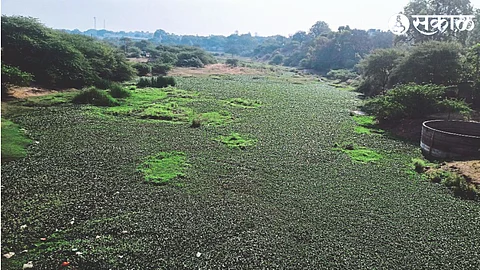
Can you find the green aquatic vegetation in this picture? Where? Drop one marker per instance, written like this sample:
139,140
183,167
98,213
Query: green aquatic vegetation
163,167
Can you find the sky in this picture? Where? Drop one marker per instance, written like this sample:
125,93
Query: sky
209,17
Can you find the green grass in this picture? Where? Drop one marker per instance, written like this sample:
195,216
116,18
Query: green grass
47,100
359,154
365,121
163,167
214,118
366,125
363,130
165,104
363,155
235,140
14,141
289,202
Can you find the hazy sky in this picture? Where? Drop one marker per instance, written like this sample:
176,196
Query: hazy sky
205,17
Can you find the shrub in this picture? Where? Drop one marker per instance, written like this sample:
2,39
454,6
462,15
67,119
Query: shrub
103,84
118,91
160,69
412,101
342,75
232,62
59,59
276,60
190,62
196,122
419,165
142,68
14,76
94,96
159,82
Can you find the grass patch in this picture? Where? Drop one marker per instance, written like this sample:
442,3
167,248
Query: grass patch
170,111
359,154
366,125
244,103
14,141
363,130
235,140
212,118
163,167
365,121
47,100
166,104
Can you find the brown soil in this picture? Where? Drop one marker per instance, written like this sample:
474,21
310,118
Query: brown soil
470,169
214,69
25,92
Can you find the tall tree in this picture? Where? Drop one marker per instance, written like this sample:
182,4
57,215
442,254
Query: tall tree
320,28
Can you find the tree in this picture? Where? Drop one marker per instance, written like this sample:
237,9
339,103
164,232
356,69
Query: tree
377,68
436,7
474,35
142,68
300,36
320,28
276,60
430,62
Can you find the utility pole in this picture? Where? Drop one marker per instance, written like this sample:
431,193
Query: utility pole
95,23
104,25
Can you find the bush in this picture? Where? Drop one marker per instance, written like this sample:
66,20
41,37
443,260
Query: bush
342,75
58,59
190,62
276,60
232,62
94,96
419,165
142,68
14,76
413,101
103,84
118,91
160,69
159,82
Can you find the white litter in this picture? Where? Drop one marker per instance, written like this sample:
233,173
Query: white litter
9,255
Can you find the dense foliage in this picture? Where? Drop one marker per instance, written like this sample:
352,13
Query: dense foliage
413,101
96,97
14,76
159,82
58,59
118,91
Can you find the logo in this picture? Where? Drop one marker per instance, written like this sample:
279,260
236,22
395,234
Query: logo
399,24
429,25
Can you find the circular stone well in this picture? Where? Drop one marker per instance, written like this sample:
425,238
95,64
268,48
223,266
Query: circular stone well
450,139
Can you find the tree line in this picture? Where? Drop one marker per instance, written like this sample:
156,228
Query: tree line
32,52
